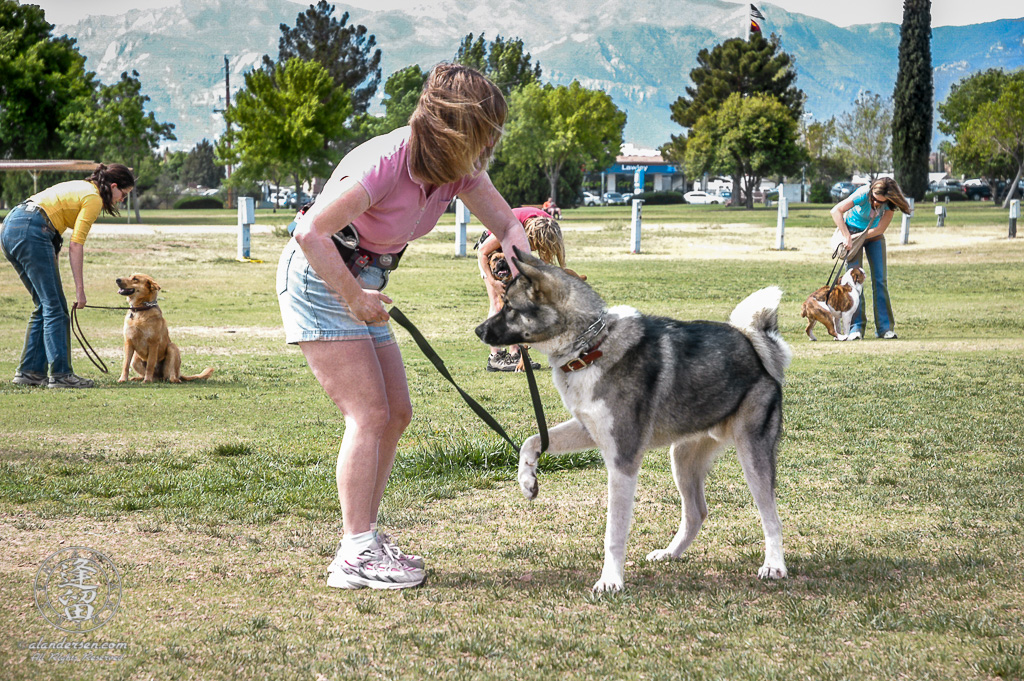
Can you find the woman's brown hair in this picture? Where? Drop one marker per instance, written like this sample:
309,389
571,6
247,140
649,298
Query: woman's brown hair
887,187
104,176
459,119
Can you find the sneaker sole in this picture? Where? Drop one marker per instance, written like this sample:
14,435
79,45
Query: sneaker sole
344,580
28,382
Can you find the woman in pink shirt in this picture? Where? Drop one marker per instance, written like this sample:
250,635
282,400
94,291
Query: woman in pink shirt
391,190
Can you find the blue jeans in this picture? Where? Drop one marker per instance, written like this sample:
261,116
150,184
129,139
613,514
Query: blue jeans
30,243
882,306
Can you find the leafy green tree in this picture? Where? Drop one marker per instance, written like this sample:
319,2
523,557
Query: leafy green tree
966,97
825,161
401,95
865,134
42,78
551,127
505,62
997,130
747,137
345,50
284,124
744,67
912,100
964,101
200,167
115,127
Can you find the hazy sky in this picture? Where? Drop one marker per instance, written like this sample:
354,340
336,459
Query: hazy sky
944,12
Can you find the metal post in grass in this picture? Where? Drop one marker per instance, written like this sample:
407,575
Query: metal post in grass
461,223
780,225
634,228
1014,214
246,216
905,227
940,216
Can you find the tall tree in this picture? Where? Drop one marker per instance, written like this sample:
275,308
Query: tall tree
42,78
997,130
200,167
285,124
505,62
747,137
912,100
825,162
346,51
401,95
968,154
116,127
737,66
866,134
550,127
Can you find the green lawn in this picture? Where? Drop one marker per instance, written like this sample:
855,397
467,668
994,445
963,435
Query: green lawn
900,483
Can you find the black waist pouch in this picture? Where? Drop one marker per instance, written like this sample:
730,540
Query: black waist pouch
346,240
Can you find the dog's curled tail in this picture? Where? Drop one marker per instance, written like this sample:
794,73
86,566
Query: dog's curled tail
206,373
758,318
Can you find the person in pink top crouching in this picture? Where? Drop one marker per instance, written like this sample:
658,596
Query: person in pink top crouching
389,191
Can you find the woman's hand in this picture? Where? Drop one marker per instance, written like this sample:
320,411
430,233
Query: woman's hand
368,306
79,300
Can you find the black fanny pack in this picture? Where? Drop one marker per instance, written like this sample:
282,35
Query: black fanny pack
346,240
357,258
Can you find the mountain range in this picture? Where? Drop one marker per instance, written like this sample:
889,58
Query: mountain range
641,55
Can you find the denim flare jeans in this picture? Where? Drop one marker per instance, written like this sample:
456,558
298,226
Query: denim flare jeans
880,303
30,243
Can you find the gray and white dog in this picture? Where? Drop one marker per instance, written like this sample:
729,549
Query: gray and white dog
634,382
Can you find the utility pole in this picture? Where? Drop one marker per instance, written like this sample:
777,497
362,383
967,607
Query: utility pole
227,107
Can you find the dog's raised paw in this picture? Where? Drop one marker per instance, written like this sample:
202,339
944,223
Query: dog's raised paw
772,572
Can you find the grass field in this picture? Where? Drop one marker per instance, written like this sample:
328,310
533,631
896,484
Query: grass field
900,485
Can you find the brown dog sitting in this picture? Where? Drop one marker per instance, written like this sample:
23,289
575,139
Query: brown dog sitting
147,344
837,312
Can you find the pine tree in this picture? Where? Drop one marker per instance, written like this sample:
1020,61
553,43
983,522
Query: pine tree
345,50
912,100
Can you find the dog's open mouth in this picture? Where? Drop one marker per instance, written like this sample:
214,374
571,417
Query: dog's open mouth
126,291
501,271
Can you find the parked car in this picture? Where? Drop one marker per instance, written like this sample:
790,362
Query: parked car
613,199
945,186
841,190
591,199
703,198
297,200
979,191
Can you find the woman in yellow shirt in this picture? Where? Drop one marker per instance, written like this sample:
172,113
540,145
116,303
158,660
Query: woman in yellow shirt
31,238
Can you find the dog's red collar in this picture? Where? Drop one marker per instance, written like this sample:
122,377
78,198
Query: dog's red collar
584,360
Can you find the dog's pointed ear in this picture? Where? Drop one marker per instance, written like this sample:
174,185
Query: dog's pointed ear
526,263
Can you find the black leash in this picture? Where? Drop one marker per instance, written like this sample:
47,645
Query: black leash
830,282
438,363
90,352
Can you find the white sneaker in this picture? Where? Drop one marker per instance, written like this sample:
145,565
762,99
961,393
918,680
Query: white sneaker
374,569
889,335
855,335
391,548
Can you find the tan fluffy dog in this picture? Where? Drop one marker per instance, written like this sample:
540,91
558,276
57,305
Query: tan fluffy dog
147,344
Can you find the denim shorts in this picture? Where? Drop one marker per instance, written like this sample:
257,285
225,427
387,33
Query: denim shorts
312,311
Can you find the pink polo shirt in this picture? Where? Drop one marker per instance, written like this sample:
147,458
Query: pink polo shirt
524,213
401,209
